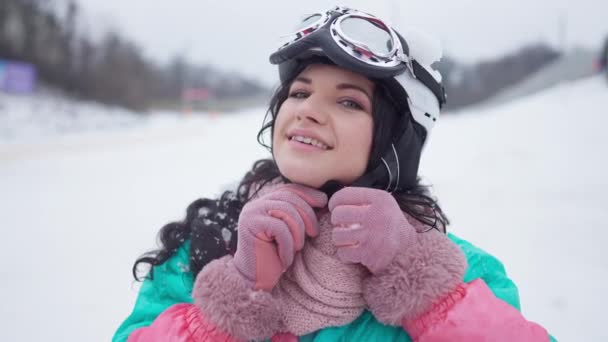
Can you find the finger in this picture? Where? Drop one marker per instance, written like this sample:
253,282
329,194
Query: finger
270,229
349,214
291,217
268,265
305,211
353,196
314,197
352,236
311,224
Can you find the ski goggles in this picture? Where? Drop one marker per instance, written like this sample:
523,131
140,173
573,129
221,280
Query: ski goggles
357,41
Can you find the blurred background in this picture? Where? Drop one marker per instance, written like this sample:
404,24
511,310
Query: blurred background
116,114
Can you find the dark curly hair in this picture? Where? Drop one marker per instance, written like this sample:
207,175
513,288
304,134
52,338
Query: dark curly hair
211,224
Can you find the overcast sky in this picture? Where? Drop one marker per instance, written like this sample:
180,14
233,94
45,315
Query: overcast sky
239,35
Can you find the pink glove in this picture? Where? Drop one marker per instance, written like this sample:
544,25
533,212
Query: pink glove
369,227
272,229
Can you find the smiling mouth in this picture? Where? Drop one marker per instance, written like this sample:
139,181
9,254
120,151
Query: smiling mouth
310,141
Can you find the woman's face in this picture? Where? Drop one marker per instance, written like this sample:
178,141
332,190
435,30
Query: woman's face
323,130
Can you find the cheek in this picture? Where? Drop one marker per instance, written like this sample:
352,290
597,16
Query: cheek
279,124
363,142
360,134
358,142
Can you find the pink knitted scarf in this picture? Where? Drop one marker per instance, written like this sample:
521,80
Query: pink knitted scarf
319,290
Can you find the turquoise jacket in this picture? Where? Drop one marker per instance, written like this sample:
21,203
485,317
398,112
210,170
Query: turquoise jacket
173,284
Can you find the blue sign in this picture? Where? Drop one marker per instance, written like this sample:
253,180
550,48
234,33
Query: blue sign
17,77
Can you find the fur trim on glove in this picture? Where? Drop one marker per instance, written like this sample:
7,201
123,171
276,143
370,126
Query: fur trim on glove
222,294
417,278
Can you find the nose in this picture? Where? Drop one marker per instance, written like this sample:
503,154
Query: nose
312,110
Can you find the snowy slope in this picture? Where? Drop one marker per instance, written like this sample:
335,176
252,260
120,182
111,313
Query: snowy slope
528,182
525,181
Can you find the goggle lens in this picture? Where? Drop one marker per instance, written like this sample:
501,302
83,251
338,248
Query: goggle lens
308,21
368,33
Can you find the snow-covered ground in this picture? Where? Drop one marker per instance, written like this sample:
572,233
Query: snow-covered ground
48,115
525,181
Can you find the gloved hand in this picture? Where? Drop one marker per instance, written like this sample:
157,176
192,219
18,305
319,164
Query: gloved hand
411,271
369,227
272,228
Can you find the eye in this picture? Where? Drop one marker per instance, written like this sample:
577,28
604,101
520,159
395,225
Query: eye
351,104
298,94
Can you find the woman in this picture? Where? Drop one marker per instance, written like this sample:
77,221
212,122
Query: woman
333,238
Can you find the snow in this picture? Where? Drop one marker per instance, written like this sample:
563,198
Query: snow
525,181
26,118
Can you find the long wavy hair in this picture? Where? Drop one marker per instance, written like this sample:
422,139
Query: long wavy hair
210,225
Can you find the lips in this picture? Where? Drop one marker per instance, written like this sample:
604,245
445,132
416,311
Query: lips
310,141
308,137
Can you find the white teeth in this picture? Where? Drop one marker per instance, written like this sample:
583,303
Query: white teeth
318,144
310,141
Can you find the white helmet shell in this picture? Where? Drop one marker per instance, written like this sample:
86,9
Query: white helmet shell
424,105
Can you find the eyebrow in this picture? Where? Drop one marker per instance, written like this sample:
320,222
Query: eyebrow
340,86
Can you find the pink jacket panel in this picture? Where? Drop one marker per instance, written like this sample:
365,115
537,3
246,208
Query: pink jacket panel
472,313
180,323
186,323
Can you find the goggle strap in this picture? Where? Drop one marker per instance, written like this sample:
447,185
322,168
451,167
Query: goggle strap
428,80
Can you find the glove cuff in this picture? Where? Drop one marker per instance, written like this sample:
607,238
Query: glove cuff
225,297
419,276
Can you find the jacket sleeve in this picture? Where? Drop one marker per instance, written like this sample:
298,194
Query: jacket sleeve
484,307
216,307
473,313
172,284
180,323
225,309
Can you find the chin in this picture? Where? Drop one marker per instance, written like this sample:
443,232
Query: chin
303,176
